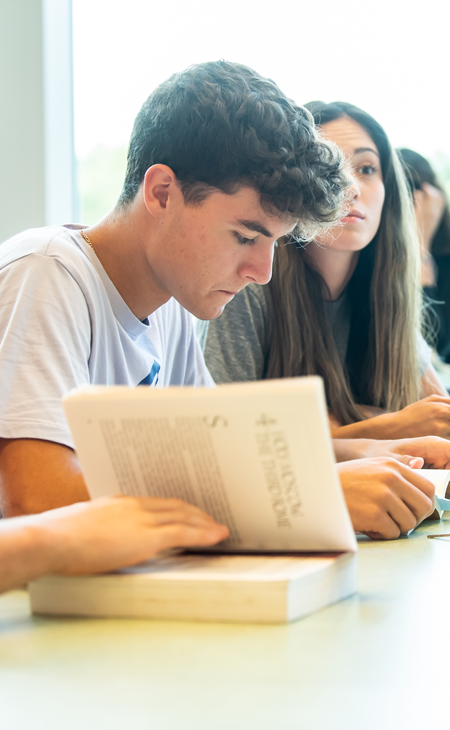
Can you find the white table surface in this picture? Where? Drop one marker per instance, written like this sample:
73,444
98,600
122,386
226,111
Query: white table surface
377,660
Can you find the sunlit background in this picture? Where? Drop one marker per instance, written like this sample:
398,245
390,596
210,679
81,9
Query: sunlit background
390,58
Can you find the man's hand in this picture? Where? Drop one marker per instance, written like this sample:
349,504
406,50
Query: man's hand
97,536
118,531
385,498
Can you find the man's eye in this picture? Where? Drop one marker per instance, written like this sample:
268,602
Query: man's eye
244,241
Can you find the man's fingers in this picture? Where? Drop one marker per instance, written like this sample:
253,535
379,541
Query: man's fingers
179,524
163,504
177,535
163,511
179,517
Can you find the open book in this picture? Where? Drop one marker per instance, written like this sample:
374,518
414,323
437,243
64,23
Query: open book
256,456
440,479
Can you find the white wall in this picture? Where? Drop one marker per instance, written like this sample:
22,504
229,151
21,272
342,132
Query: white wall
36,120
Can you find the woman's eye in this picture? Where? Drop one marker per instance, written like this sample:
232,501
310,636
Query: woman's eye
366,170
244,241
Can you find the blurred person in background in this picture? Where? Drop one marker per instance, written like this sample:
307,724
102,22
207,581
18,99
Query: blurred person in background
433,221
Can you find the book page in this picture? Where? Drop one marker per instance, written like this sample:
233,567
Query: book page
256,456
237,567
440,479
156,457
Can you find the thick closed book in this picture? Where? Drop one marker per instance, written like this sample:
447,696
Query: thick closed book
247,588
256,456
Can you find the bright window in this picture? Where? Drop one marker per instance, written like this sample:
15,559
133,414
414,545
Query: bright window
390,57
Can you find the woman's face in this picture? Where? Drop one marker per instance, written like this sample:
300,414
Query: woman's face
366,201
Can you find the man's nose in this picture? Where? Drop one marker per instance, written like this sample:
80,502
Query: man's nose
258,266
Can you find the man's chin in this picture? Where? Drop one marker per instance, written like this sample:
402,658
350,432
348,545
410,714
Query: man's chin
212,313
209,307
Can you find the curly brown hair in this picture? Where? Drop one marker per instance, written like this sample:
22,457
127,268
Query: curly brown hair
220,126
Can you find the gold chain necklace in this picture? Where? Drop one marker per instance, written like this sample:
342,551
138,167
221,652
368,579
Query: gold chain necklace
87,239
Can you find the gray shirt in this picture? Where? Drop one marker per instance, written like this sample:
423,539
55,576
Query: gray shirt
236,345
339,314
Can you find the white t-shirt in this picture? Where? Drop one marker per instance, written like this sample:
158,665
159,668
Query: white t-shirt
63,324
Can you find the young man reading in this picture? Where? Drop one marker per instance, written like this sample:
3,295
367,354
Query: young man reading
221,164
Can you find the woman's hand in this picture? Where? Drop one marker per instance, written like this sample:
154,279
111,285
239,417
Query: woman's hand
368,411
428,417
385,498
427,452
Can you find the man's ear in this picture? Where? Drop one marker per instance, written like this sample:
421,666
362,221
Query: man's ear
158,186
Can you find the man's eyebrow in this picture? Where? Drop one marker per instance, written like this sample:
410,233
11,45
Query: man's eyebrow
365,149
255,226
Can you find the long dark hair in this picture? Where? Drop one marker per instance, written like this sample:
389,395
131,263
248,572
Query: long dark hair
381,367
